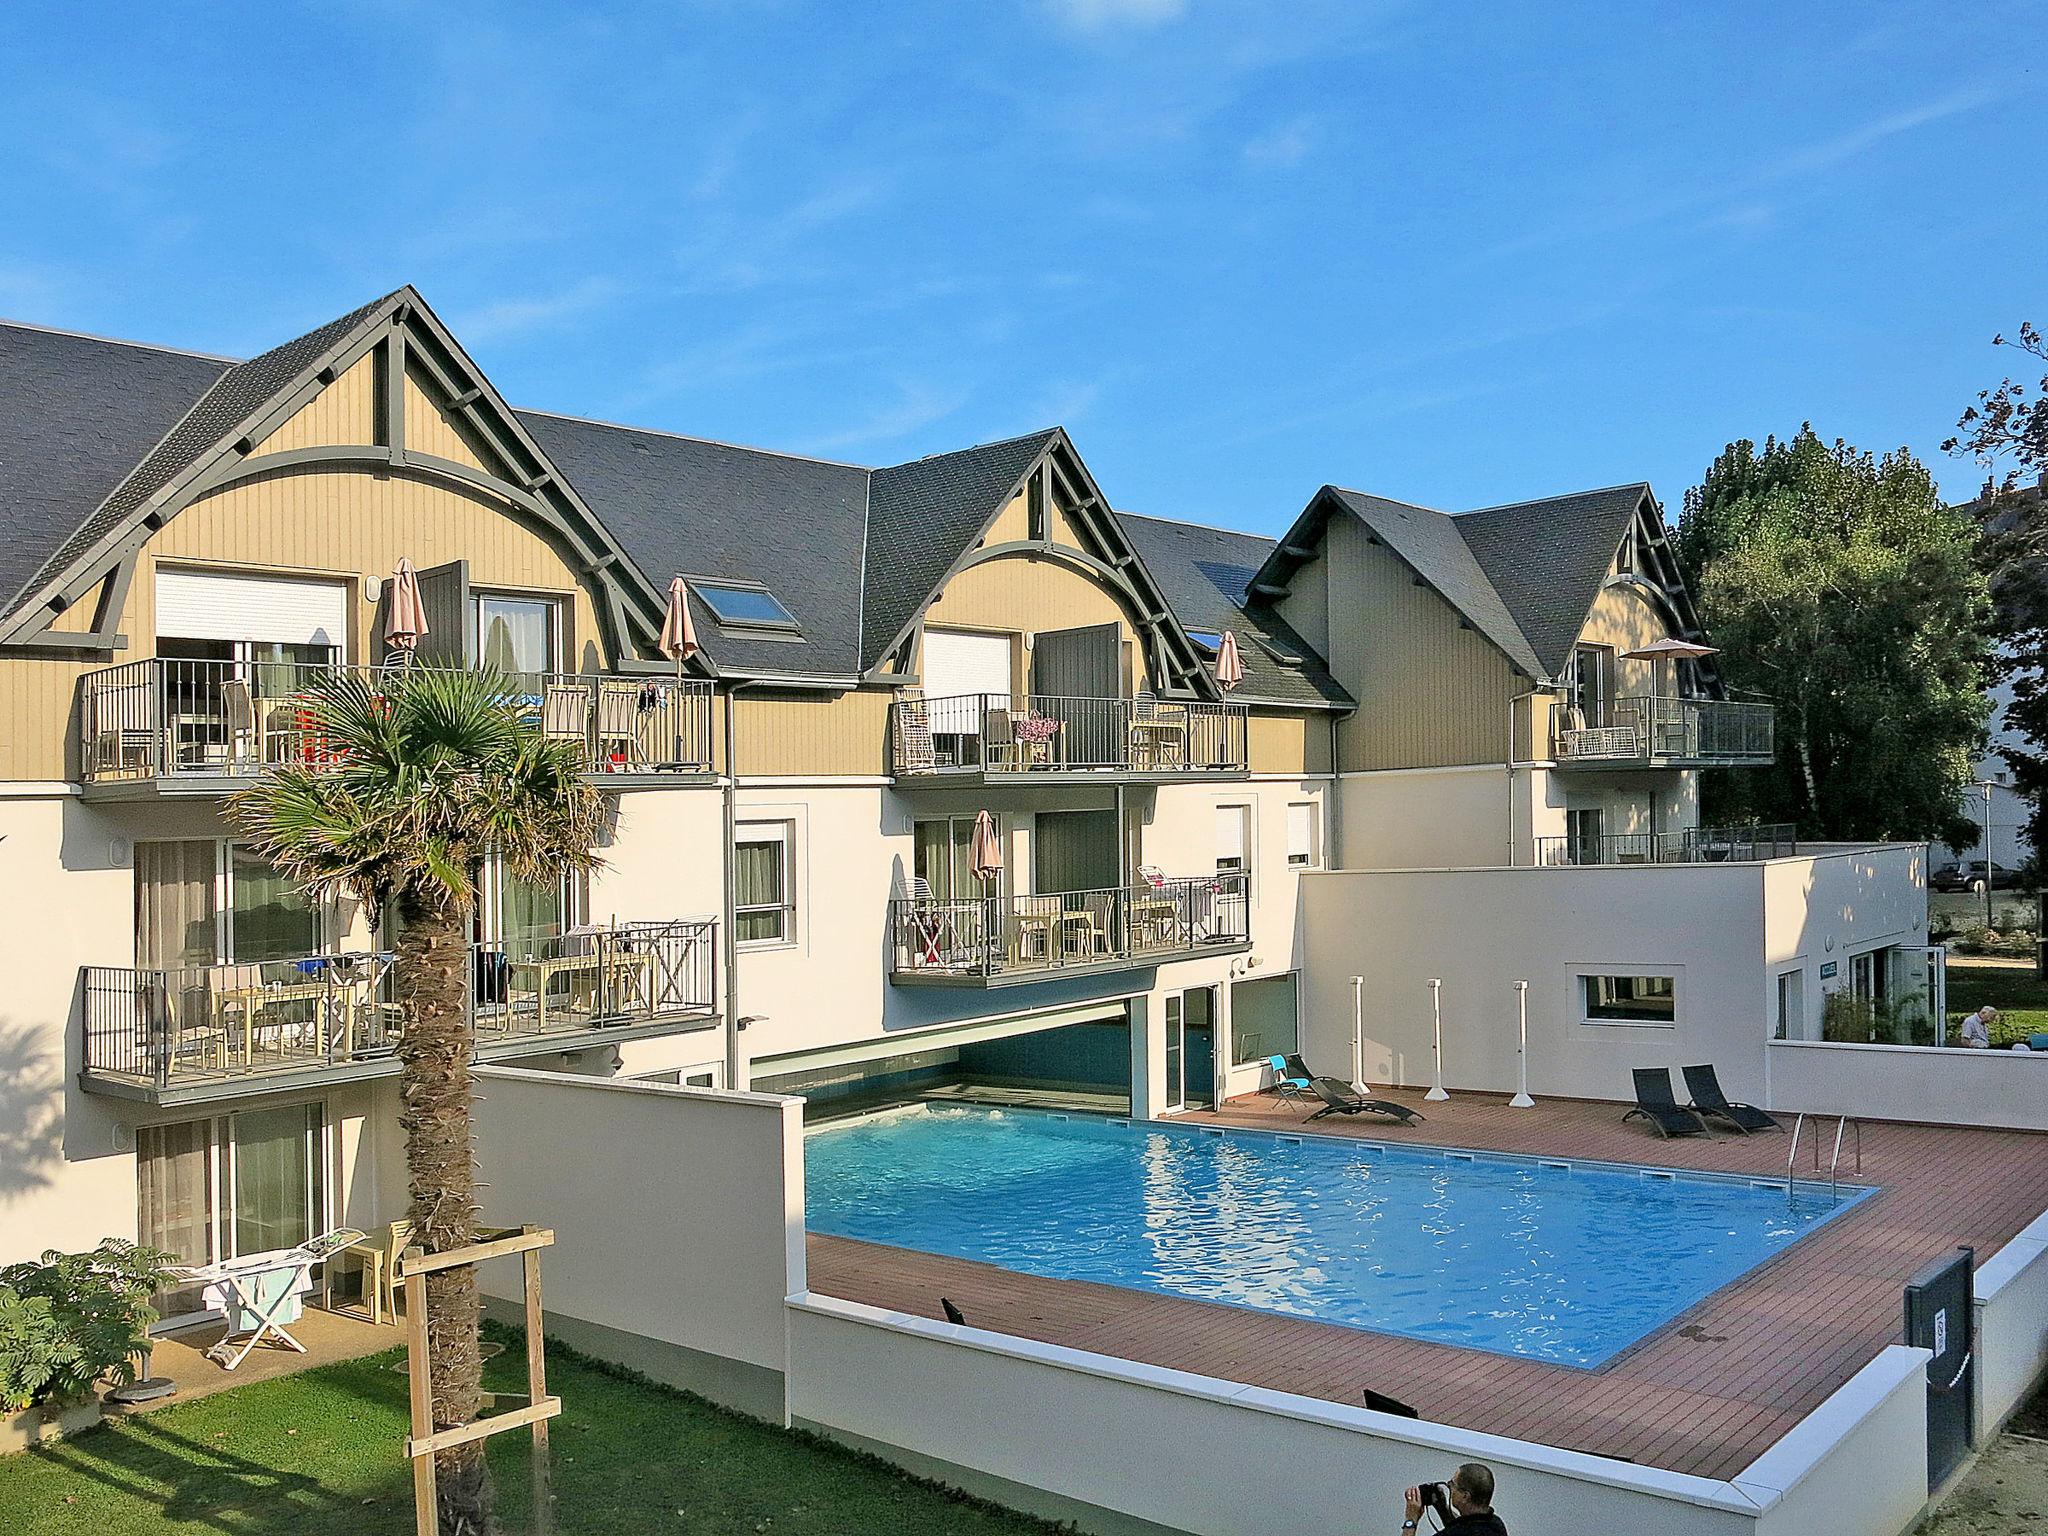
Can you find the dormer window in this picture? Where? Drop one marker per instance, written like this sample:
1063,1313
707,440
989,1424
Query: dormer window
742,605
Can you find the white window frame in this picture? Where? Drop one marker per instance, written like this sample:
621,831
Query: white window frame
784,833
1242,864
552,602
1583,975
1310,854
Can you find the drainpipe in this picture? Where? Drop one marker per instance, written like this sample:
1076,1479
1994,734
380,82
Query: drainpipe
1511,764
735,1056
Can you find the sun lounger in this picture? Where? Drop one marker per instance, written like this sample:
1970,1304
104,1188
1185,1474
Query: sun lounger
1708,1099
1338,1099
1656,1103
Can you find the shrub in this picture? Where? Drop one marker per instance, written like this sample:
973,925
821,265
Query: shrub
68,1320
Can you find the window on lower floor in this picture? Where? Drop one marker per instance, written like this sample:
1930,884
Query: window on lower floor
1301,835
1631,999
1233,839
764,906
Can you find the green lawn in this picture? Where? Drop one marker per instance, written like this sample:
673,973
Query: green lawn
317,1454
2020,997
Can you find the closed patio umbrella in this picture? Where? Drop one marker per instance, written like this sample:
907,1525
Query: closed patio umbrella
1229,665
985,852
405,615
678,634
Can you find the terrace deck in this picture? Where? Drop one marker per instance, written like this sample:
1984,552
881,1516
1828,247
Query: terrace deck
1706,1394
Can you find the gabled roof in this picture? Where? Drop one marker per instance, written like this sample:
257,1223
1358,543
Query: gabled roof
923,516
229,400
77,414
99,441
1205,574
1524,575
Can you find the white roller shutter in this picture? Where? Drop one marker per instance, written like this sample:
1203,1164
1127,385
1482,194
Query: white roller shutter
213,605
956,662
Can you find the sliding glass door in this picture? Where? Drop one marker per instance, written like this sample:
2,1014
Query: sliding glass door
274,1177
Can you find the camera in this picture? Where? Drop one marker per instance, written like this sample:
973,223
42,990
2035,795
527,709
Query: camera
1436,1497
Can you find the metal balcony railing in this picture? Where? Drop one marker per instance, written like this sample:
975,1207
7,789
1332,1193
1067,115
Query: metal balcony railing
1042,733
1013,936
180,1026
167,719
1646,728
1698,845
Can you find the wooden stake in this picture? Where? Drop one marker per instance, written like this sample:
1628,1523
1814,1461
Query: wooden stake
425,1494
536,1391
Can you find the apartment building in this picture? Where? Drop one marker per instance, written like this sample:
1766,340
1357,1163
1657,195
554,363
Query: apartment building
952,798
194,1052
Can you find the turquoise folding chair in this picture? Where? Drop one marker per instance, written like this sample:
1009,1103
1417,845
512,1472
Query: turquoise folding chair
1286,1083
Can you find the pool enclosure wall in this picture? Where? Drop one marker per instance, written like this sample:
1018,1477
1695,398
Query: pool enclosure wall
1628,966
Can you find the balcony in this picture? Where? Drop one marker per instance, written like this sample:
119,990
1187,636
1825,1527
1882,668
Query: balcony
1698,845
200,1034
1655,732
168,727
995,738
1003,941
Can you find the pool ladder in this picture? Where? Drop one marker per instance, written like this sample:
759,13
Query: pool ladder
1842,1124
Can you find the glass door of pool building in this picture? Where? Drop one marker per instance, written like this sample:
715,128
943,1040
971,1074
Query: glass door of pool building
1191,1049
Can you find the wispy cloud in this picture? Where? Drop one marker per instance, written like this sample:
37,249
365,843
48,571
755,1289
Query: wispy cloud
1825,155
1094,16
512,317
735,253
917,405
1283,145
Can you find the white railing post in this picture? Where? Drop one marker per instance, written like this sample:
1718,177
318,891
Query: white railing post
1521,1100
1436,1005
1358,1035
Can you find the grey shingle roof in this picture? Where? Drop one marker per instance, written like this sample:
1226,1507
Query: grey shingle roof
684,506
1547,559
923,516
77,414
1430,542
230,400
1204,574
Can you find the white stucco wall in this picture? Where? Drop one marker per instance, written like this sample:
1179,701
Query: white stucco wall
1481,930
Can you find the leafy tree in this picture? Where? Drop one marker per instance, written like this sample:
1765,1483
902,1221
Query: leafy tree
1840,588
430,773
2007,429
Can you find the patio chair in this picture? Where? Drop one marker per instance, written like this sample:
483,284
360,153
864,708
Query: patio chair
1656,1103
1709,1100
953,1314
618,725
1379,1402
378,1253
1286,1083
1338,1099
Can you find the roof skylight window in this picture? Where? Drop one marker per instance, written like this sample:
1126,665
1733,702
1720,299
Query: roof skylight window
742,606
1208,640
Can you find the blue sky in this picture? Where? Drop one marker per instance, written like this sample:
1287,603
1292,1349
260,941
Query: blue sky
1456,254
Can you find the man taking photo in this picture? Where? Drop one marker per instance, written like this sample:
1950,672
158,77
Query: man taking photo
1464,1505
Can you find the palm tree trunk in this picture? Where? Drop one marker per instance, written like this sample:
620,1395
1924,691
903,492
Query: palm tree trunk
434,1051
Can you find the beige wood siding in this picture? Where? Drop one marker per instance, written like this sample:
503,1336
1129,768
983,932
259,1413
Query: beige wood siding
1307,604
795,734
1430,692
1013,526
431,430
1289,744
344,413
37,716
1021,594
1624,617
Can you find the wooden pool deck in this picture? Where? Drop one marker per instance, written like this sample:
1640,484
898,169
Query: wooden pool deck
1705,1394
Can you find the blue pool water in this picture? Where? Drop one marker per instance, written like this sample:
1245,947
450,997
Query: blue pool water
1563,1262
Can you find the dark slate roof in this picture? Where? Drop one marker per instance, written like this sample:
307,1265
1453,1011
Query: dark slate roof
684,506
1431,543
1204,574
923,516
1547,559
234,396
77,414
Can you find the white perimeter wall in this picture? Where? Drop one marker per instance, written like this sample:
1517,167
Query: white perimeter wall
2012,1325
677,1212
1941,1085
1710,926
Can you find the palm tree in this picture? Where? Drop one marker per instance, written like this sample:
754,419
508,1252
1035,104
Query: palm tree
423,776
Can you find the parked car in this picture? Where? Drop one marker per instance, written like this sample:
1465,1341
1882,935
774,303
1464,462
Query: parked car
1968,875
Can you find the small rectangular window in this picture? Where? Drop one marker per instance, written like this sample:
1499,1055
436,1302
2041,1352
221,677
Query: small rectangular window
764,909
745,606
1630,999
1301,835
1233,839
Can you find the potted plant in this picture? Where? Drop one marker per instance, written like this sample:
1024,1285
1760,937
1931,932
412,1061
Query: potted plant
68,1322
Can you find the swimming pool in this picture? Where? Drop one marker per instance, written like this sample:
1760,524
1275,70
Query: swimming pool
1560,1261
